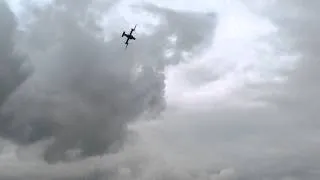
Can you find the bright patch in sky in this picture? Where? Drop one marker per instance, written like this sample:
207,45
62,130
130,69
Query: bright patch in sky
238,56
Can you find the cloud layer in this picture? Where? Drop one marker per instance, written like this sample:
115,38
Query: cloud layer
84,91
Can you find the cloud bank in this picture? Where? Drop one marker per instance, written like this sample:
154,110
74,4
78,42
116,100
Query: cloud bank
84,91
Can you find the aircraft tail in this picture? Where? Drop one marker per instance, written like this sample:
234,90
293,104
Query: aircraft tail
123,34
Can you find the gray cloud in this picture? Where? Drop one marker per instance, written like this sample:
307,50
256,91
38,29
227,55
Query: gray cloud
276,140
11,62
303,87
83,93
13,71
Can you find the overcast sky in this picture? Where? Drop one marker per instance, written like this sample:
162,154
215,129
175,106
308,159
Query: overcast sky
239,92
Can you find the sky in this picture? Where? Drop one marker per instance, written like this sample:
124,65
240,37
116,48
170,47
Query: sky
210,90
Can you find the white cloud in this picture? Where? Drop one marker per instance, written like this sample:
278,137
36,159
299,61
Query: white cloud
239,55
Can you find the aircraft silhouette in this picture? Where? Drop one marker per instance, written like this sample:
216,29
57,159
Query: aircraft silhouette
129,36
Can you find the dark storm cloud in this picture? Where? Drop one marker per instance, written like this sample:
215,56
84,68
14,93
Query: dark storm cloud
84,92
11,61
269,142
12,72
66,99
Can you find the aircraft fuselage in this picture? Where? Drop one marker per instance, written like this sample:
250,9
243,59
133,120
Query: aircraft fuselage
129,36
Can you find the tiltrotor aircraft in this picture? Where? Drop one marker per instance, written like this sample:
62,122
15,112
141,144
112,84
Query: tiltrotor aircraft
129,36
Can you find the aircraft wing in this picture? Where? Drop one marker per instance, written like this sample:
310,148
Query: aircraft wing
133,29
127,41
